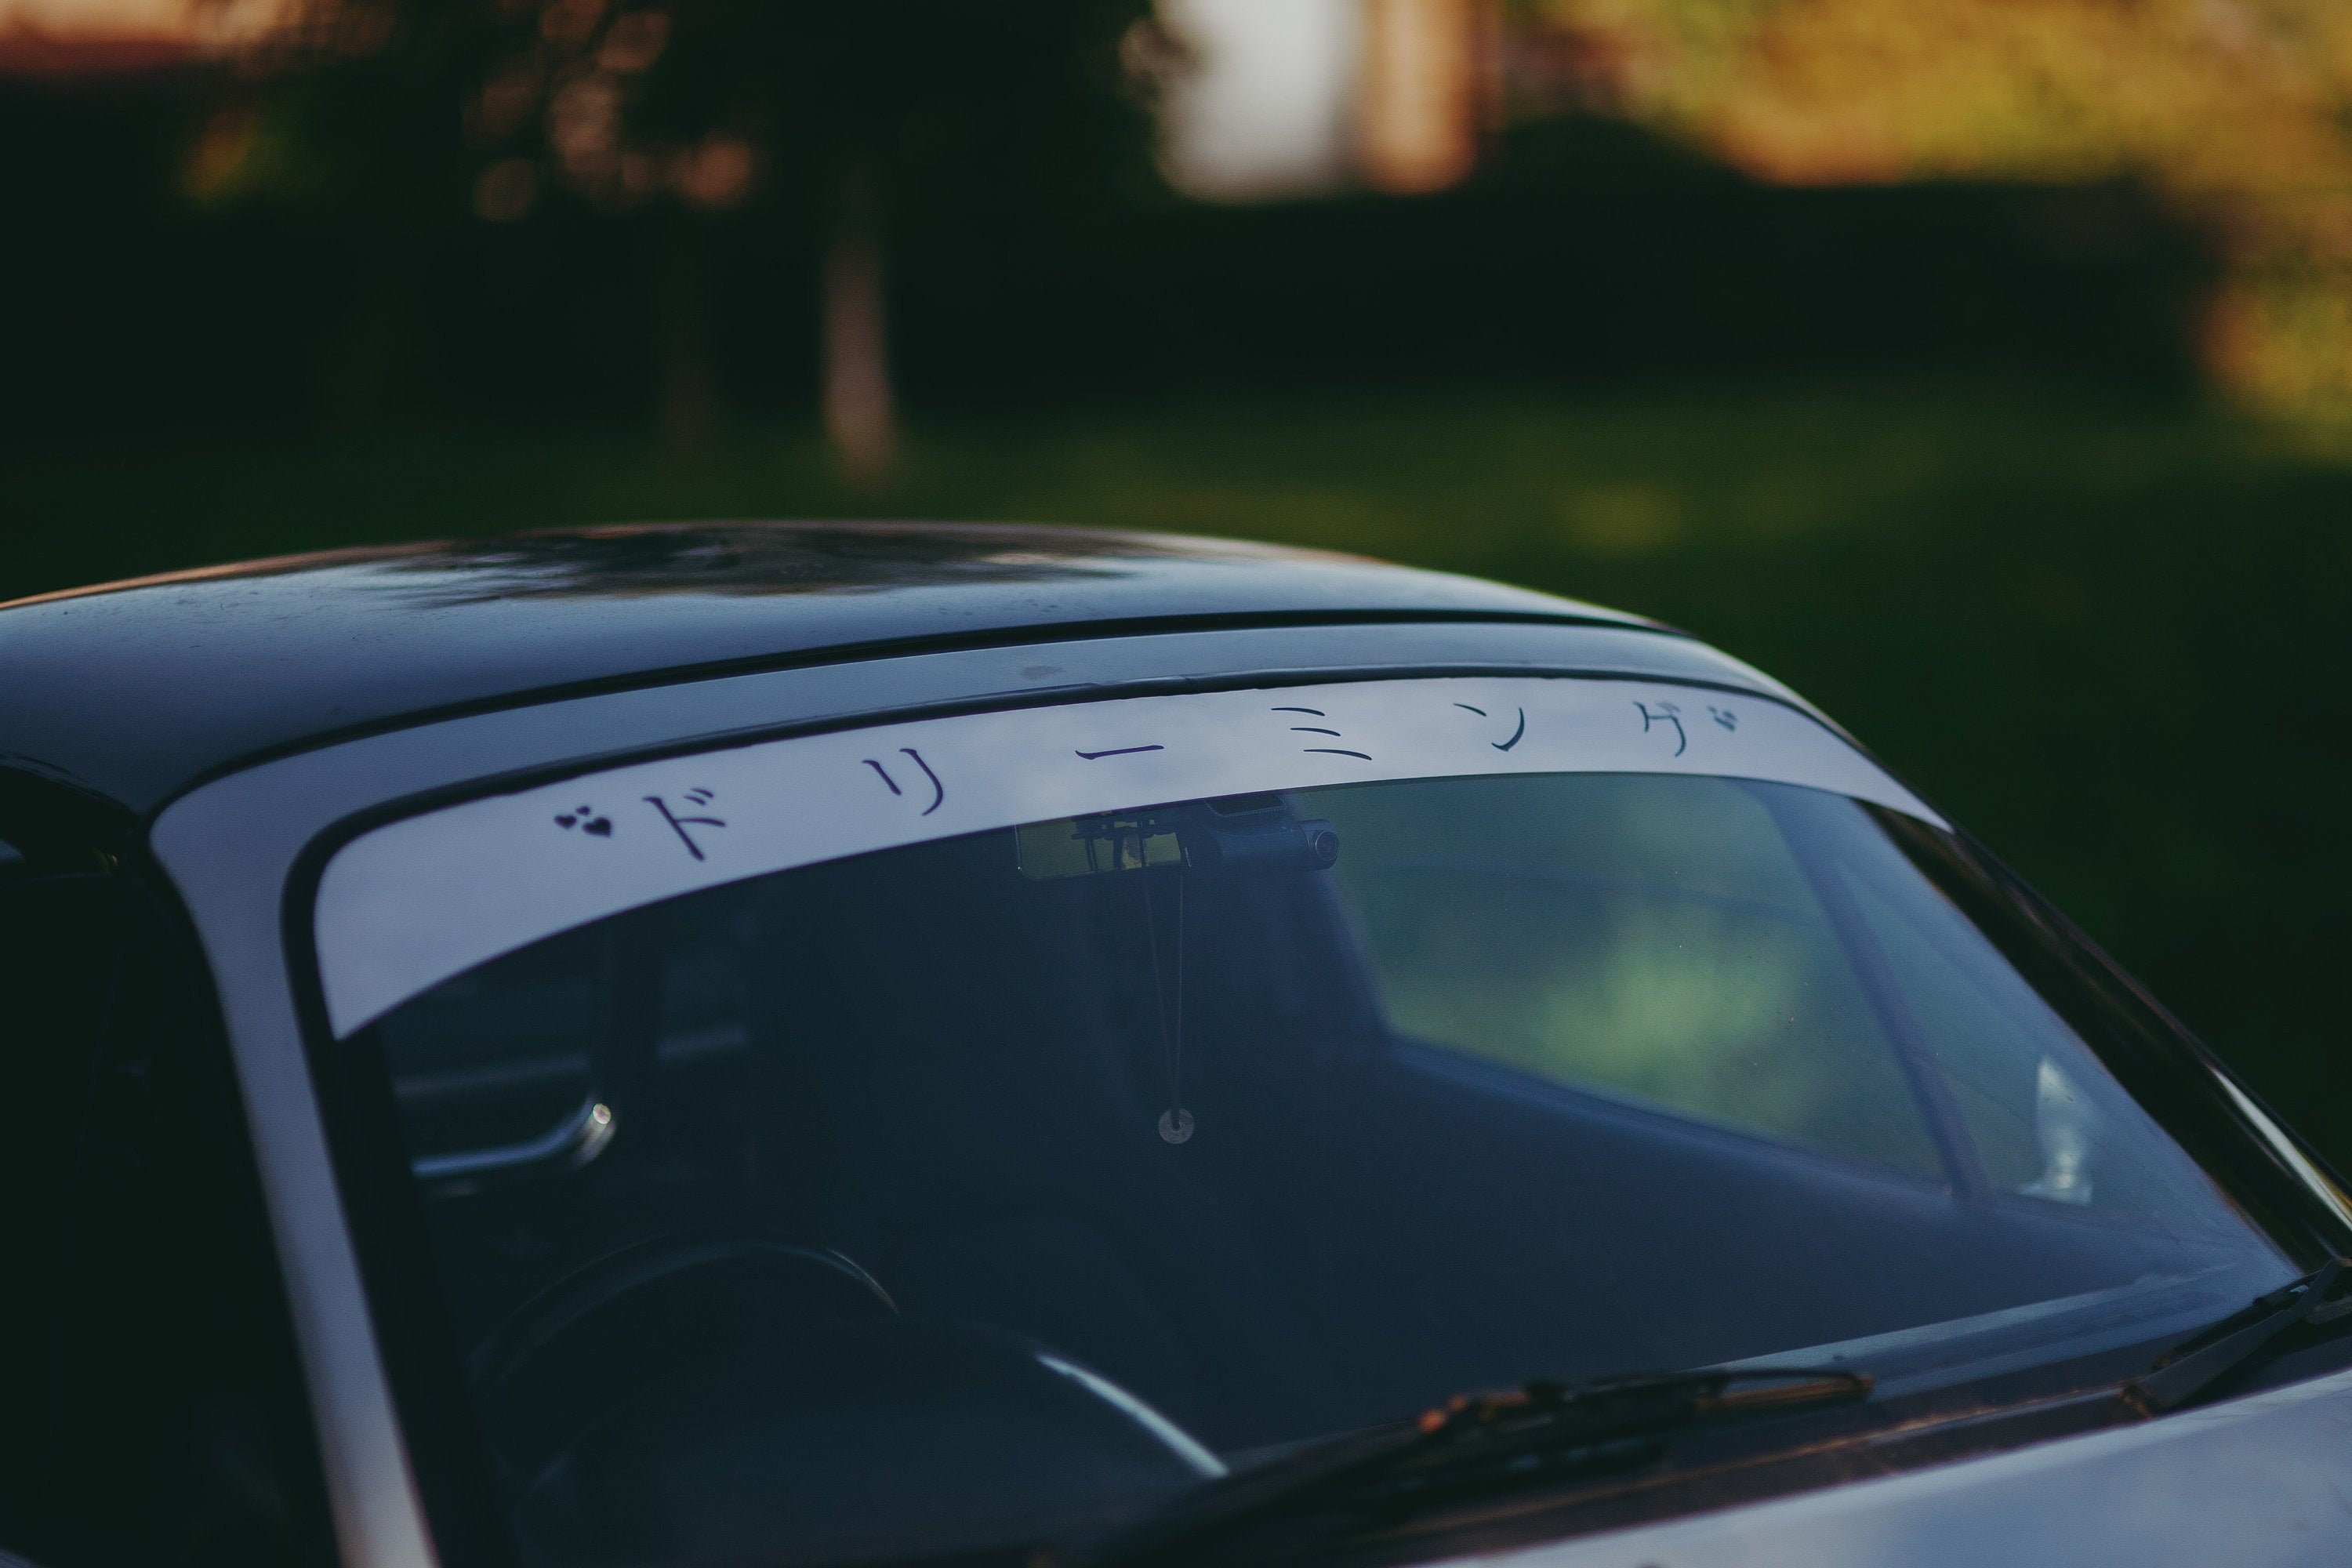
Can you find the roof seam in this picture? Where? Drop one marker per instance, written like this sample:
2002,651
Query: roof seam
1033,634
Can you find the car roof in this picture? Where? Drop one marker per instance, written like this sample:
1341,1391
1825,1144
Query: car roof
130,692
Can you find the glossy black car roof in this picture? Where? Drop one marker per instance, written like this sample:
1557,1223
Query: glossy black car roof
130,691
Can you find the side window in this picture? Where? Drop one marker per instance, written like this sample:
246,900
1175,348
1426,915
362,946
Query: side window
150,1412
56,970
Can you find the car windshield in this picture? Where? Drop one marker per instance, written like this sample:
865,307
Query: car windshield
993,1188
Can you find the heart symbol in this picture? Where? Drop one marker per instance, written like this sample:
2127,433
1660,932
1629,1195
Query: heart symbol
566,820
601,827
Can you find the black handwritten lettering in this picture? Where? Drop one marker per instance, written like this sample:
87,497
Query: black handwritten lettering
1667,713
939,790
678,824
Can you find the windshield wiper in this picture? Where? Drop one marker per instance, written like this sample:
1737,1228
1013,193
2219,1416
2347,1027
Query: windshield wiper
1474,1444
2197,1362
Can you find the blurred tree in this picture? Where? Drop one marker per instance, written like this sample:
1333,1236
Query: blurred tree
2238,111
421,112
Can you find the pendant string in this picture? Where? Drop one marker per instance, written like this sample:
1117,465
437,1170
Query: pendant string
1175,1123
1176,1049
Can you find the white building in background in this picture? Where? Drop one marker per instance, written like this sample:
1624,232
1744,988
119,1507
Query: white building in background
1266,107
1291,98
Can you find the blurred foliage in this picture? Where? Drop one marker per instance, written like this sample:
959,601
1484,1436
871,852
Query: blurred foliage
2108,637
2239,110
534,210
636,124
429,107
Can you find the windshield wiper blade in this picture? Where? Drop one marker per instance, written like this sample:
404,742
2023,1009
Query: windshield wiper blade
1476,1443
2195,1364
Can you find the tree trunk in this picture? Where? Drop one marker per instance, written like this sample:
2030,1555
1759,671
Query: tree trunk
860,419
689,406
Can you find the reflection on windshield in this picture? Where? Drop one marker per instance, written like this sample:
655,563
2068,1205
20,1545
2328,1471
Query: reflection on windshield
996,1189
1662,943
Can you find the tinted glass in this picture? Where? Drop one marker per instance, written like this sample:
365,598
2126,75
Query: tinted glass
987,1191
56,965
150,1414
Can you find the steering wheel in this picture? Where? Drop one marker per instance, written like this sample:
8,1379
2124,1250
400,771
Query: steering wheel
610,1327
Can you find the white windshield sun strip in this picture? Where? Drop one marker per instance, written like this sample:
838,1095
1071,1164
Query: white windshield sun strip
410,904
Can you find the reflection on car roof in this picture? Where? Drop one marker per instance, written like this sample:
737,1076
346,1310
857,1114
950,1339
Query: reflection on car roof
131,690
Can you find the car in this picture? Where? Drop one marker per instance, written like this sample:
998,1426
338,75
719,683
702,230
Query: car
797,1043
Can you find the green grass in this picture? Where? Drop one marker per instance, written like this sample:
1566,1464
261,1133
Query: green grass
2113,641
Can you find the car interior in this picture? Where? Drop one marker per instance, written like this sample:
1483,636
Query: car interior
750,1206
